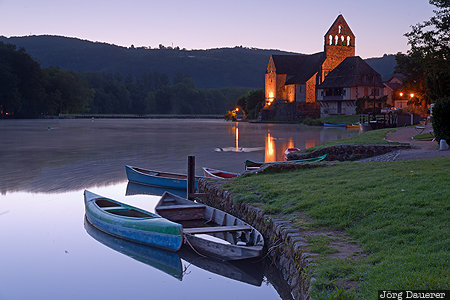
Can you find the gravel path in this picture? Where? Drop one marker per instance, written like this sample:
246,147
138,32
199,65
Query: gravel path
419,149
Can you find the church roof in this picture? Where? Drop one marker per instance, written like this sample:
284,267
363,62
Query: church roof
353,71
299,68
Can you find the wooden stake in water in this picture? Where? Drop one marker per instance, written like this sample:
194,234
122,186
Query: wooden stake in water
191,177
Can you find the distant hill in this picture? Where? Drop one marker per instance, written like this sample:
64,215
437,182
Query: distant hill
384,65
212,68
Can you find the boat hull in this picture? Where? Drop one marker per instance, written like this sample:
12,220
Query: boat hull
151,231
251,165
334,125
218,174
203,224
157,179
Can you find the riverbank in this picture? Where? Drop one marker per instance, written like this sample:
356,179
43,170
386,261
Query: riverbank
353,228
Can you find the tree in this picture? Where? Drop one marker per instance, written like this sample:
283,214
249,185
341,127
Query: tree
426,64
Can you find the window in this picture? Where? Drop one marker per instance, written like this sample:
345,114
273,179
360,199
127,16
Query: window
340,29
348,40
336,40
331,39
342,40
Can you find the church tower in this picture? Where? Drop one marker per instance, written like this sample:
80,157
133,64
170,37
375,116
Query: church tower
339,43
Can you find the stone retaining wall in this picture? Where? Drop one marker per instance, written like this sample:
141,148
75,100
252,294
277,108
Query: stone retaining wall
283,243
349,152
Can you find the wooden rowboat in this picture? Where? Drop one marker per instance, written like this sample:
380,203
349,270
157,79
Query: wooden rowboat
131,223
218,174
156,178
212,232
251,165
289,150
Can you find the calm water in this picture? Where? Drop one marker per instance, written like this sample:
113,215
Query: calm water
47,251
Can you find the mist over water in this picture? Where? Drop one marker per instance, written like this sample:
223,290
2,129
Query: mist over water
49,252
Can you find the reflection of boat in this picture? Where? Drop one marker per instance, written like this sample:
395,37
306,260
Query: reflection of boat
168,262
139,189
251,165
219,174
132,223
334,125
289,150
202,223
156,178
244,271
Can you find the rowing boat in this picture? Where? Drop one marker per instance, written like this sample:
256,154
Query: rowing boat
251,165
218,174
352,126
289,150
156,178
211,232
131,223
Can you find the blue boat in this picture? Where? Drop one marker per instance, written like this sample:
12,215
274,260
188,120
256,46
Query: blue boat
131,223
334,125
158,179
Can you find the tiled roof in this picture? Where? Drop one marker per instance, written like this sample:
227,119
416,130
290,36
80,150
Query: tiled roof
353,71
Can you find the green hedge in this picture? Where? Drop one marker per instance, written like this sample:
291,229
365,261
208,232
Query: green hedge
441,120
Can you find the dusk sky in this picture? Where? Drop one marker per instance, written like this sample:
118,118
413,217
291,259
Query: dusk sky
290,25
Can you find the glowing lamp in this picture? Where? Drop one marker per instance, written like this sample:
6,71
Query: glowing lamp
401,94
237,109
411,95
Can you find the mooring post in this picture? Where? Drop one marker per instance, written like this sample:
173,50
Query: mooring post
191,177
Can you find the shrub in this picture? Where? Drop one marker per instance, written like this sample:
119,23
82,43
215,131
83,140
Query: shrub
312,122
441,120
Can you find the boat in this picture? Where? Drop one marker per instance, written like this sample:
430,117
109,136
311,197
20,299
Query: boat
334,125
168,262
251,165
210,231
289,150
131,223
352,126
156,178
218,174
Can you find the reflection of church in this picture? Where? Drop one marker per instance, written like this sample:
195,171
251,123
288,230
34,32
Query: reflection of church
294,79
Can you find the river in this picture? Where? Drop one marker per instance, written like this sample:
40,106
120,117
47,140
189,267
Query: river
47,250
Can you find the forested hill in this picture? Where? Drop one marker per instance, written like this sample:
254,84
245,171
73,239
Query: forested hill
213,68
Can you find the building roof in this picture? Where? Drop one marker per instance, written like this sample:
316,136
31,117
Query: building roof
298,68
353,71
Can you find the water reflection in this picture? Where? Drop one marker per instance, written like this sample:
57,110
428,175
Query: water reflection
170,263
77,154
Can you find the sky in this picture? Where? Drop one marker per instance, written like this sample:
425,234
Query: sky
289,25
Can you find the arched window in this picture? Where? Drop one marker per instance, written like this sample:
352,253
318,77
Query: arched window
340,29
342,40
348,41
331,39
336,40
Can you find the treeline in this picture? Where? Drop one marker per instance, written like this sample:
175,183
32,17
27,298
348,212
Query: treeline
27,90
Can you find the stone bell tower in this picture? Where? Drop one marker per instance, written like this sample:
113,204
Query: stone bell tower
339,43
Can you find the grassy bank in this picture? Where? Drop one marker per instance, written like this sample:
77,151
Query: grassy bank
398,212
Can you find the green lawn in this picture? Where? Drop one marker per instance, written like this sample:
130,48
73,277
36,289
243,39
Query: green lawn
397,211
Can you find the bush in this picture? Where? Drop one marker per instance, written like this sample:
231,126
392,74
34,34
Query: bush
441,120
312,122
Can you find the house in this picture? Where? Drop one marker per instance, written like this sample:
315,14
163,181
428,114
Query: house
352,79
293,78
396,97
